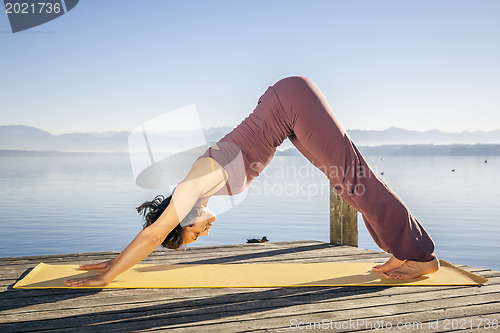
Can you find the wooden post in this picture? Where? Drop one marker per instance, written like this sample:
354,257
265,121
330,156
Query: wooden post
343,221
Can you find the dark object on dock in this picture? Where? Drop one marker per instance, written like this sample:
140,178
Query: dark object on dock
254,240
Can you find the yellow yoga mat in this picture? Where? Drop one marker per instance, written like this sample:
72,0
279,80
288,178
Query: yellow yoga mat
245,275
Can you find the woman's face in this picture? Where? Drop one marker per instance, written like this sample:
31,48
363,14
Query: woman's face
200,227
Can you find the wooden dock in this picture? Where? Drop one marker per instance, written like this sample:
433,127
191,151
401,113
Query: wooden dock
304,309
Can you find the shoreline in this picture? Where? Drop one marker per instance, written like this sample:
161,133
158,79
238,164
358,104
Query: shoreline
478,149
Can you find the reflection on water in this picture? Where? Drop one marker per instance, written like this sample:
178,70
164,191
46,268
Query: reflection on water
53,205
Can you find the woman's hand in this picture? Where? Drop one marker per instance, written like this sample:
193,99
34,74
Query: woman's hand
103,266
96,280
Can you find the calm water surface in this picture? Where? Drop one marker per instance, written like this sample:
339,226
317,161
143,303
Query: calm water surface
56,205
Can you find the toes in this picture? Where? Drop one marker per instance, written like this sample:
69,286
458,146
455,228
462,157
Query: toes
391,264
393,275
381,268
398,276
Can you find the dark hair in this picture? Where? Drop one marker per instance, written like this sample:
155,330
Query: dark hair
151,211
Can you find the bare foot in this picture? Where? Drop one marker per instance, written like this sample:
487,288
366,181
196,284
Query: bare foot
389,265
412,269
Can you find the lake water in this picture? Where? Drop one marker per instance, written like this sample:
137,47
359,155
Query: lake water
56,205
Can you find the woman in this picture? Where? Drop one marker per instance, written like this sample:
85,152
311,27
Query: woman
294,107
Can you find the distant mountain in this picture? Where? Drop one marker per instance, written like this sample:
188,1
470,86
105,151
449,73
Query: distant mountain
483,150
396,135
433,150
19,137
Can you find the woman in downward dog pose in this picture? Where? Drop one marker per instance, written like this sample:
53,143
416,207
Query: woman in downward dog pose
292,108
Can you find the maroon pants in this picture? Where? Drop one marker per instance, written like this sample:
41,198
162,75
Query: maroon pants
320,137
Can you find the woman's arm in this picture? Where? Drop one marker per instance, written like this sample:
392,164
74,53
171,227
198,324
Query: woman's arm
185,196
196,184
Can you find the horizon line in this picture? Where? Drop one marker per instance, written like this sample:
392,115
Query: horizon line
215,127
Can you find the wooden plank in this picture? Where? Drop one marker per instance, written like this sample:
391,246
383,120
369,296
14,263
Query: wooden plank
19,296
18,309
235,256
274,315
234,309
381,310
180,254
283,324
335,254
327,252
352,294
217,248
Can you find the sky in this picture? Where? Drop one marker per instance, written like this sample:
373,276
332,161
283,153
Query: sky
113,65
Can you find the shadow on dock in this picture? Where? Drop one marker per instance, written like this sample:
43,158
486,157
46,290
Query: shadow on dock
191,312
